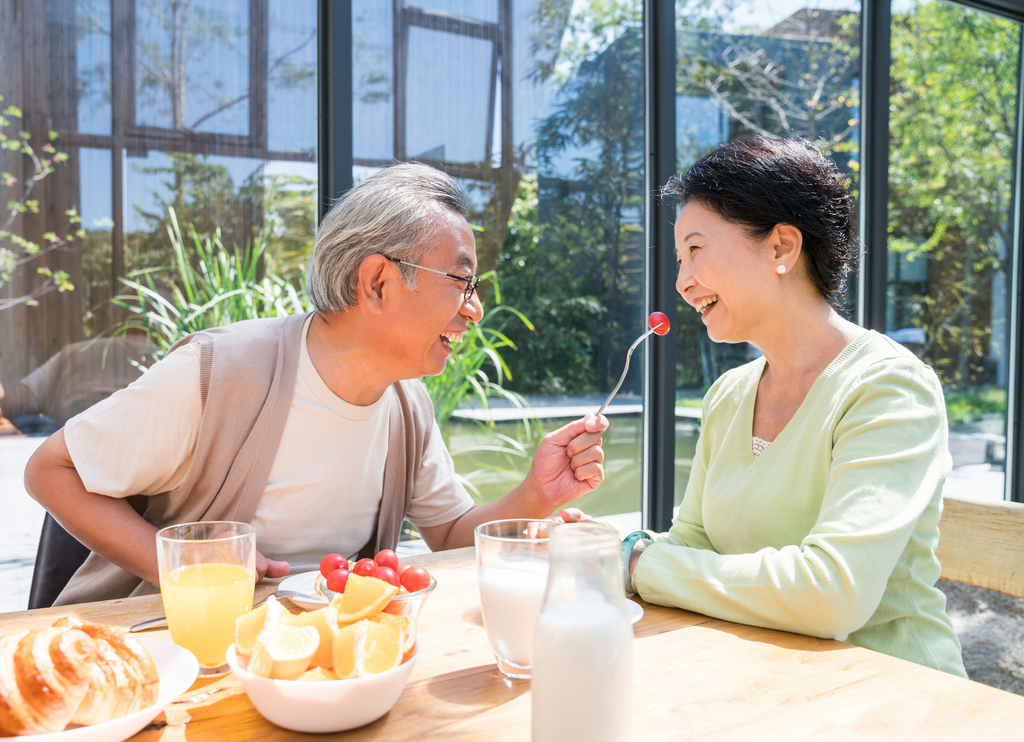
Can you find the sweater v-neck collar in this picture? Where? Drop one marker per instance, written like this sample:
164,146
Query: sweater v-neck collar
747,410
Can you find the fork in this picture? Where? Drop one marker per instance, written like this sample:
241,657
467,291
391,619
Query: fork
155,623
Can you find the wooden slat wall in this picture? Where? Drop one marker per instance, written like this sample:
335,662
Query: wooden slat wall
982,543
38,73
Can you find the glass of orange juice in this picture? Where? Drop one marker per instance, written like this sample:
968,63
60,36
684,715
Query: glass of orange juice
207,576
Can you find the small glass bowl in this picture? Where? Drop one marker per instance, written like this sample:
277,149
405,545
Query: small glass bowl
403,604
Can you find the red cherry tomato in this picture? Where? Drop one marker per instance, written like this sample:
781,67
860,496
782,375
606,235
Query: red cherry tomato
332,562
365,567
401,569
337,580
388,575
415,578
387,558
656,319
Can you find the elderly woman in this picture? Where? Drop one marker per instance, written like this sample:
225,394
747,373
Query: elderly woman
814,499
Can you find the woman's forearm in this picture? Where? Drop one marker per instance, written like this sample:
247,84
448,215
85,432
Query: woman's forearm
107,525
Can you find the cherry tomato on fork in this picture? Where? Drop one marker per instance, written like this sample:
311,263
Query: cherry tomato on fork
656,319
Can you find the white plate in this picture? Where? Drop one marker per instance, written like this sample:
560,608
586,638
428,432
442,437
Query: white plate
178,669
303,583
634,611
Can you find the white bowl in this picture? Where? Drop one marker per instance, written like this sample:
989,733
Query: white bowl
322,706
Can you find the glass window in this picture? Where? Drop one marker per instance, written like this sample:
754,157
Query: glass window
139,107
537,110
953,118
749,69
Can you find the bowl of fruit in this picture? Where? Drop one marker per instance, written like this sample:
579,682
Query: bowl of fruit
327,670
414,583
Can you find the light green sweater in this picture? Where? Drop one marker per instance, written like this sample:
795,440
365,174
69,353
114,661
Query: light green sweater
831,531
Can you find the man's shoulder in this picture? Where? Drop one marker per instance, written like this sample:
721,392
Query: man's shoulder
414,401
250,332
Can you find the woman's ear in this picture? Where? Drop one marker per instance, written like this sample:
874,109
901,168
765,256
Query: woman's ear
372,278
786,243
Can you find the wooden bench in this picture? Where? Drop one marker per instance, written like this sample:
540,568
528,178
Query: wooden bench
981,543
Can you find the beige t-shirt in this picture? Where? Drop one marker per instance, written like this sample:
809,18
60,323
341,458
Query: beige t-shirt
325,484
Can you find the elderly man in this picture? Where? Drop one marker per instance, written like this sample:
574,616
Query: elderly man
313,428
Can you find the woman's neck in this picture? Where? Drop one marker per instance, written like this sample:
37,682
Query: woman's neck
805,343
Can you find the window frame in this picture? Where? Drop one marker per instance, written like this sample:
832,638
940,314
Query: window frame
658,446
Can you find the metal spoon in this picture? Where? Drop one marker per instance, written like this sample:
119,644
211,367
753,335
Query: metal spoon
155,623
656,321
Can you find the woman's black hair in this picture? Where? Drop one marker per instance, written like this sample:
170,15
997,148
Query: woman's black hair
762,182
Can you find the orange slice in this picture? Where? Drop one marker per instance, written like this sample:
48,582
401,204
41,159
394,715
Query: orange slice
283,652
366,648
406,626
325,621
363,597
249,625
317,674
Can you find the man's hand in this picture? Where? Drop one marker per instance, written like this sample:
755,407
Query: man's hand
269,568
569,462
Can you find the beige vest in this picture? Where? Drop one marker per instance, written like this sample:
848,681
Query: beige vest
247,379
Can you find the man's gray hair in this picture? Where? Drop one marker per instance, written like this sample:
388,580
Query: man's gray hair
395,212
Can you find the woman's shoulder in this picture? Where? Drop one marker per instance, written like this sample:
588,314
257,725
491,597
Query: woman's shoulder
883,372
881,359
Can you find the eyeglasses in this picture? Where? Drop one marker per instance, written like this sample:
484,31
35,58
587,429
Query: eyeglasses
471,281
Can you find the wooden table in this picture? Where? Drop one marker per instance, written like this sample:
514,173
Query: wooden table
695,678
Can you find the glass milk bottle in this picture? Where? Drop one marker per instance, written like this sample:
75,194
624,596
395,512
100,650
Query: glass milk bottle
582,684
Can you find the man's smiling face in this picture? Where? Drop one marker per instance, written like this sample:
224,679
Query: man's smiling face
432,317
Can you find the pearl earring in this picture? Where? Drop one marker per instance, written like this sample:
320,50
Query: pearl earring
780,269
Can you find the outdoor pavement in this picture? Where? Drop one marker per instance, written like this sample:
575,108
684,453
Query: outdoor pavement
21,520
990,626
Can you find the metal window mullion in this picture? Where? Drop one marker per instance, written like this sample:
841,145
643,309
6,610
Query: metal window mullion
259,72
659,356
334,101
1014,479
874,207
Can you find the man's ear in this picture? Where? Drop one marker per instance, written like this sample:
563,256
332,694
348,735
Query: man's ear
373,278
787,243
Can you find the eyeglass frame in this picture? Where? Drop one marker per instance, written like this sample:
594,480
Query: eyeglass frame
471,281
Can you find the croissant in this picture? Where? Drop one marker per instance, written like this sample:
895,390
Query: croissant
124,678
44,675
72,672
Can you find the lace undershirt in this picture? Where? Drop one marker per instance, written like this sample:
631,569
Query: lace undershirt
760,446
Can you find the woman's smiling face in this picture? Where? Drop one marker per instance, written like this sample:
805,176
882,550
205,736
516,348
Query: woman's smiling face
723,273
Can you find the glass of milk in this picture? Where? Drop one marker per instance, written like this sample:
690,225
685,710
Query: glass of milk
512,572
582,678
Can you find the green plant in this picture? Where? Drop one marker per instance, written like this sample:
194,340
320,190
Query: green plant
15,249
973,405
212,287
475,374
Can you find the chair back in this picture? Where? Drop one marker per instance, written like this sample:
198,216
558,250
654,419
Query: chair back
58,558
981,543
